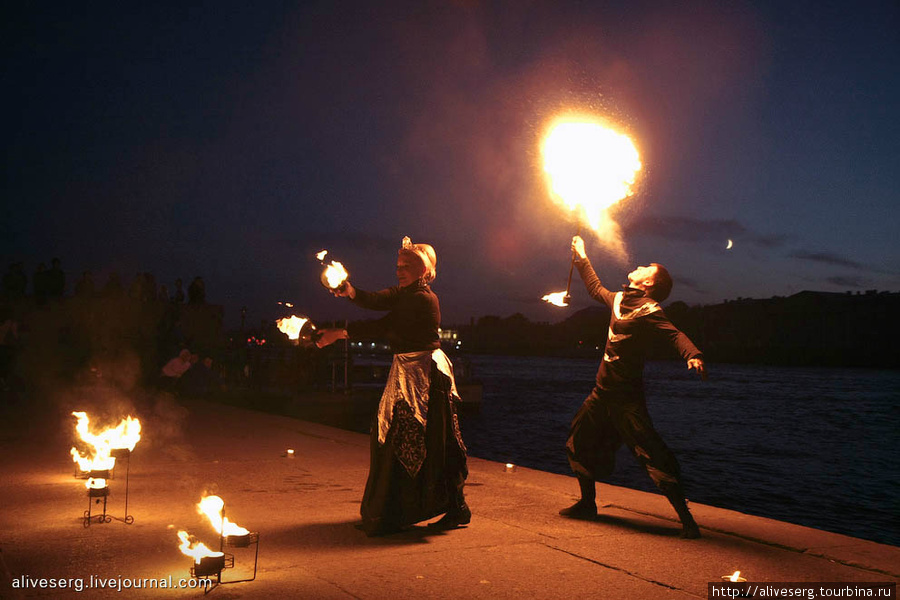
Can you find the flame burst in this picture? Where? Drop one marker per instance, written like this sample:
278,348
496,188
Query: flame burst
556,298
590,168
212,506
125,435
292,327
193,548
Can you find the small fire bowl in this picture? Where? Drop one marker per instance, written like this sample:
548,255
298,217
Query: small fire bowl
120,453
212,565
97,474
98,492
241,541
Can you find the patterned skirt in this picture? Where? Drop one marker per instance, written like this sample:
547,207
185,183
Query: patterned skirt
419,471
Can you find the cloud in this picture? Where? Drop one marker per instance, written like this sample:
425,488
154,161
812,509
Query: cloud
828,258
692,284
848,281
702,230
835,260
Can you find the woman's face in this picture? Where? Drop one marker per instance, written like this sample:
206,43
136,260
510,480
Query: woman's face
409,269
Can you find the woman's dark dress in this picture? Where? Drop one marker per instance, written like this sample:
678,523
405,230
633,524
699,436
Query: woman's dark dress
419,470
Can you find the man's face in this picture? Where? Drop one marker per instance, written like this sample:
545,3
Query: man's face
408,269
640,275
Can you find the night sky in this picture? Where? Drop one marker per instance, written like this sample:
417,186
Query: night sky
234,140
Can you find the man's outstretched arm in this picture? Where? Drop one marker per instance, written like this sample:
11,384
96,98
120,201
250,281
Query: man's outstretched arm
591,281
680,342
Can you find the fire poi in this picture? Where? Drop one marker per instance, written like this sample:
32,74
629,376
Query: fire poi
334,275
293,326
590,167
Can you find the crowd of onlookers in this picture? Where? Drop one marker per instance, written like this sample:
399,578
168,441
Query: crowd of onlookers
50,329
141,333
51,283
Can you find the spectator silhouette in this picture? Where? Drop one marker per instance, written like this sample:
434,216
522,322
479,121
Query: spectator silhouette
178,295
84,287
56,280
40,283
163,293
15,282
197,291
200,379
149,288
9,337
113,286
136,289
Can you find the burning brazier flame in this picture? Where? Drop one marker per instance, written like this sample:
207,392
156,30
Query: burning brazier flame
195,549
212,506
96,463
123,436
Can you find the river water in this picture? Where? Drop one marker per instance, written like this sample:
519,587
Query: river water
811,446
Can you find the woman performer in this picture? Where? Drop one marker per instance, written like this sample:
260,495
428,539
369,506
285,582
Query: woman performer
417,465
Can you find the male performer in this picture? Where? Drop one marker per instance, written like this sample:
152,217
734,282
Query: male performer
616,411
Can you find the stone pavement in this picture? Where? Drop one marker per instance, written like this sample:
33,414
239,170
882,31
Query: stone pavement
305,509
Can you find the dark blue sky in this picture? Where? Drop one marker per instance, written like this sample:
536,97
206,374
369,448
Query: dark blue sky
233,140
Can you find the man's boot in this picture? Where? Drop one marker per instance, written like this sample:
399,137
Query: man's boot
690,530
586,507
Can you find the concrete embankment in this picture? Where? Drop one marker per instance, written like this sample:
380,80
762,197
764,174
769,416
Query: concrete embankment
305,509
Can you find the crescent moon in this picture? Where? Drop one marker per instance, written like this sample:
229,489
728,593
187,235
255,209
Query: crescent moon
730,244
